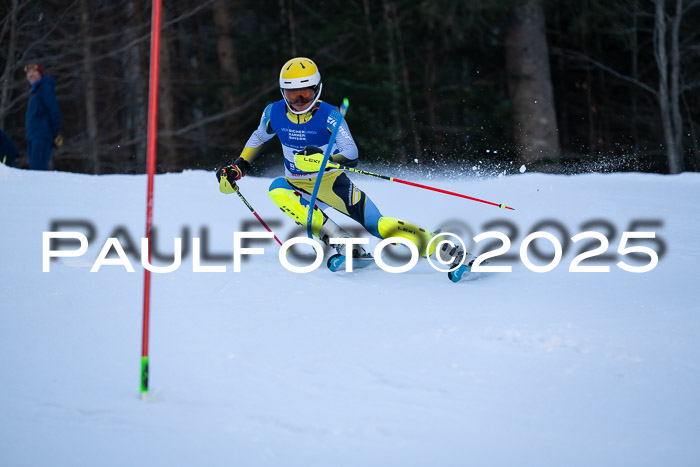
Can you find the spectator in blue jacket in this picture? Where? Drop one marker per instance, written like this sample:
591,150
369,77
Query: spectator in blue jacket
8,149
43,121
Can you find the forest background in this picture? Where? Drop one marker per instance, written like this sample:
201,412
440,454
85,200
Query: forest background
557,85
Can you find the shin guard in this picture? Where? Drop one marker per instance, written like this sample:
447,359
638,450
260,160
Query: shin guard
391,227
293,205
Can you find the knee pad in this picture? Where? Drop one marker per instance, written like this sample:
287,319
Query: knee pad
391,227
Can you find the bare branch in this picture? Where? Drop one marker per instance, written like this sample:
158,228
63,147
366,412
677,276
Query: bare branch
690,87
569,54
690,5
211,119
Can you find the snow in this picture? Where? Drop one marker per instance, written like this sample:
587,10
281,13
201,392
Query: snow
266,367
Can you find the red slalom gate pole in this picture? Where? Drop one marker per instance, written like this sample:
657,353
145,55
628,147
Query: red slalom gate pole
151,169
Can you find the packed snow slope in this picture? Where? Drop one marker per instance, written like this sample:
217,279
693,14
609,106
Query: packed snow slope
266,367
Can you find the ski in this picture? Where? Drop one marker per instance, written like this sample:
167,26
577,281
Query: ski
337,262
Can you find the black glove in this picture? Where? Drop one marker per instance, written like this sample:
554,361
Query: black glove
232,173
337,158
313,151
229,175
309,150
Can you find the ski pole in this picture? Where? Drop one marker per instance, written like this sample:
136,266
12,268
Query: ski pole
312,163
245,201
321,167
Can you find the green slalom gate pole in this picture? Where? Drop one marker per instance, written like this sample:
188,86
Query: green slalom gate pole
322,167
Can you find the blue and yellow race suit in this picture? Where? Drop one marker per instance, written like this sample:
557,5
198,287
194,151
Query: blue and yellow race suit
292,192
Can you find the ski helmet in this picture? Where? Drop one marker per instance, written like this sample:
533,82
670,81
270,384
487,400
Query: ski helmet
300,84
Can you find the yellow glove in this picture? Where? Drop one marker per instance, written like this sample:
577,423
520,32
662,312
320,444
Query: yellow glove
58,141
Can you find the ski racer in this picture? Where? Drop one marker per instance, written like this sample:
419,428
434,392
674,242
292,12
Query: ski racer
304,123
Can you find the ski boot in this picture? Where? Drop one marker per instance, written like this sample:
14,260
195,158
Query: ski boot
457,253
360,258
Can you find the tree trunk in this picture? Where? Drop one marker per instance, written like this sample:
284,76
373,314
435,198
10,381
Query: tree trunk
135,85
562,90
168,158
675,85
418,153
674,152
590,108
430,78
635,76
695,161
397,140
292,28
226,51
287,16
93,156
370,32
530,84
10,63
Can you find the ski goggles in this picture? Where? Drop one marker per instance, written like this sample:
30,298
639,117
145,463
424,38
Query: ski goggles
300,96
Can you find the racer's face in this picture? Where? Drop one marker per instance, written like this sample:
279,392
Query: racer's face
300,99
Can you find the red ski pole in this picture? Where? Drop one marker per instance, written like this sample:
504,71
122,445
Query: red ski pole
311,164
245,201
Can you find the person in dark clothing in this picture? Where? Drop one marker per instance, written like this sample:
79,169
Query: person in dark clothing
43,121
8,149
